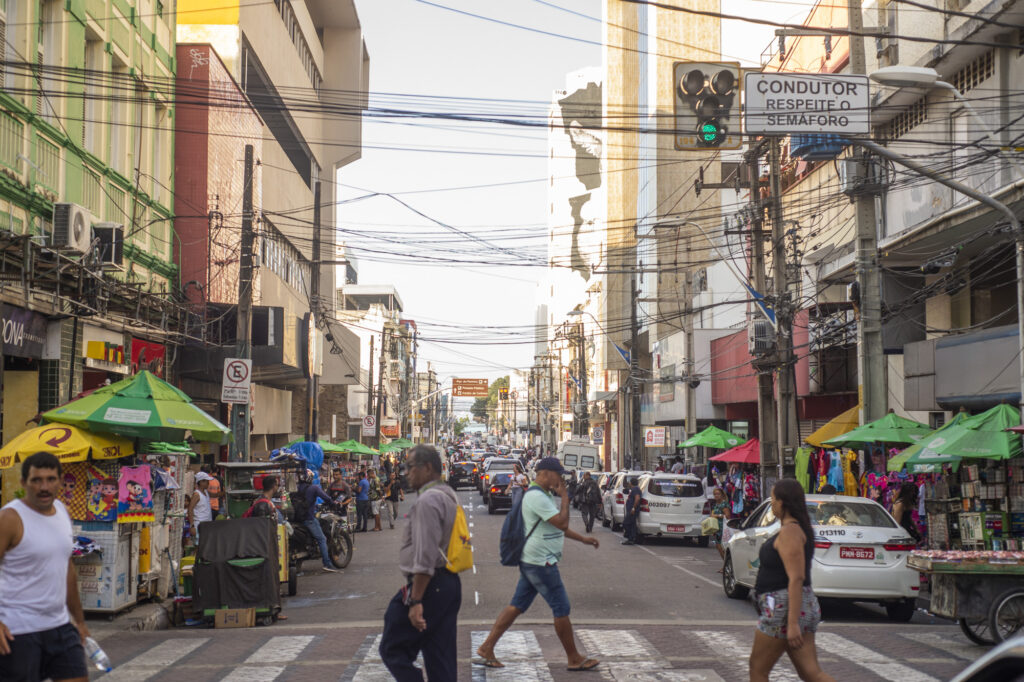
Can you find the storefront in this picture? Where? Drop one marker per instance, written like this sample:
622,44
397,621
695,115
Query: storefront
24,341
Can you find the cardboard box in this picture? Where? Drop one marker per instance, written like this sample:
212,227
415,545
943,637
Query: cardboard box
234,618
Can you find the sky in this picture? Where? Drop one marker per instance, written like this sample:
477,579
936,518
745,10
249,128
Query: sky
421,53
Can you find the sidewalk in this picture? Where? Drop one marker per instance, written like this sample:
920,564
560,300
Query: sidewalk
144,617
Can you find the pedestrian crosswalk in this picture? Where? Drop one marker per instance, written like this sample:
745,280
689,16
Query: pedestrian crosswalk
533,654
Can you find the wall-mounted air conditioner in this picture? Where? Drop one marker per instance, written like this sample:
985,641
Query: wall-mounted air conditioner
72,227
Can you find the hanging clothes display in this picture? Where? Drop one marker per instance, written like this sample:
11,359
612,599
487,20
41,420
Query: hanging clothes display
849,480
804,468
835,471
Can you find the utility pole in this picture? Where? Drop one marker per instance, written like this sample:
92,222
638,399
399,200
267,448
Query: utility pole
379,411
635,435
691,391
765,393
370,409
313,381
871,363
584,388
239,450
786,429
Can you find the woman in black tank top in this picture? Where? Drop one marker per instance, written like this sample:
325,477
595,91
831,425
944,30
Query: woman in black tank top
789,611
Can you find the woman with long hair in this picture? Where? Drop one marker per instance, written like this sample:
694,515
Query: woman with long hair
789,611
903,509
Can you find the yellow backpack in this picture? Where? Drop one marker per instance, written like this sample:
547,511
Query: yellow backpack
460,548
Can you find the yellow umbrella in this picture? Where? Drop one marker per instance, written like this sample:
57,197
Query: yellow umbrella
844,423
69,443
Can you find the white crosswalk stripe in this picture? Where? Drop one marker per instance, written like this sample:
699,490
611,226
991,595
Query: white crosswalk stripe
950,645
627,656
155,660
279,650
520,651
367,666
877,663
735,654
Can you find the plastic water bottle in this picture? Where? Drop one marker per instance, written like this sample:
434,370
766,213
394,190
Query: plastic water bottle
96,655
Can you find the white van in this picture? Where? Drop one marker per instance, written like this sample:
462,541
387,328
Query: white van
581,455
672,505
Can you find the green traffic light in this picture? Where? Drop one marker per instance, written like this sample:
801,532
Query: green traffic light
710,132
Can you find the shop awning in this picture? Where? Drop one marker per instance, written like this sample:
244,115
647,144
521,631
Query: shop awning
712,437
748,453
68,443
602,396
844,423
889,429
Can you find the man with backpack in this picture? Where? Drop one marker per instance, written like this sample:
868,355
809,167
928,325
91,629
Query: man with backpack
589,496
546,526
422,616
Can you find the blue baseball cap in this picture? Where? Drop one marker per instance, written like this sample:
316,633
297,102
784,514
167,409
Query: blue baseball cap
550,464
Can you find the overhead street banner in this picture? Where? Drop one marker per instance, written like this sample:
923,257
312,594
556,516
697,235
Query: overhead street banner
812,103
470,388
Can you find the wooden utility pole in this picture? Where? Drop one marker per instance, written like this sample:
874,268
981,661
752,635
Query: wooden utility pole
380,386
370,409
239,451
313,381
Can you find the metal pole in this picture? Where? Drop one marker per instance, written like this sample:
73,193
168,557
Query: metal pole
314,290
871,360
765,393
239,451
635,434
691,392
584,388
369,389
786,412
379,410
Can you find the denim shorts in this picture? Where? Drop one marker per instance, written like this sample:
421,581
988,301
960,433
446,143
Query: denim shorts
545,581
773,608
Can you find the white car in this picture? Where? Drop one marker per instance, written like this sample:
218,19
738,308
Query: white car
672,505
614,500
860,553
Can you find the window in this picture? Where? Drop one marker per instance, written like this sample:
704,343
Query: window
49,59
974,73
905,121
10,39
92,95
119,132
115,205
11,140
92,193
48,163
160,145
849,514
674,487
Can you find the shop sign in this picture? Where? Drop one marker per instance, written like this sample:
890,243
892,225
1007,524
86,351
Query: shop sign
654,436
236,382
389,428
597,435
148,356
24,332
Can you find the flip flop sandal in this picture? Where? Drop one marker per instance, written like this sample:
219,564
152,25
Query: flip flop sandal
588,664
488,662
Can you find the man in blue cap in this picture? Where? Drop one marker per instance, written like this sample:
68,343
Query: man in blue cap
538,567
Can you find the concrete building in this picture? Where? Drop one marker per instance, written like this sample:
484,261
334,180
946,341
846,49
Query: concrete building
86,187
270,60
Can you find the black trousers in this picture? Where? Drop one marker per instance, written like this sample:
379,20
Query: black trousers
401,642
362,514
629,527
589,512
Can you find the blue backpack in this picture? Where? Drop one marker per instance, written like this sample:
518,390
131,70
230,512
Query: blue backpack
513,533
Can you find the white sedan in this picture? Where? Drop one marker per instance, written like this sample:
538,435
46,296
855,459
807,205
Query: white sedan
860,553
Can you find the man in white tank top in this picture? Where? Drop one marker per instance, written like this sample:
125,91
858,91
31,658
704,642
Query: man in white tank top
42,626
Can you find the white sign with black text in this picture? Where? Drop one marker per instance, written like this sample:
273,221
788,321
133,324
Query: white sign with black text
810,103
236,381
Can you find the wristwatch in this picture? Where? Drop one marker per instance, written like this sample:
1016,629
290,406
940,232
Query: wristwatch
414,602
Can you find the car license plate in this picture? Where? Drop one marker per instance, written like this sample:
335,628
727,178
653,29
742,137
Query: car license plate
677,529
857,553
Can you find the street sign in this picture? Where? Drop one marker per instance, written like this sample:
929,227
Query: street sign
812,103
470,388
234,387
597,435
654,436
369,425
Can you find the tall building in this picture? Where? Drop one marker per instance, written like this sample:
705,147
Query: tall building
291,79
86,197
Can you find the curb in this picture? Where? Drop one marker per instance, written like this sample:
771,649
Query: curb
146,618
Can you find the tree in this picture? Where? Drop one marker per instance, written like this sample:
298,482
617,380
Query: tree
460,426
485,407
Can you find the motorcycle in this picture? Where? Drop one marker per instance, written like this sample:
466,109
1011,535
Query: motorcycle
304,546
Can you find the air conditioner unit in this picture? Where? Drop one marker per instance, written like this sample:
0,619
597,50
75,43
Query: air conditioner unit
72,227
111,242
760,336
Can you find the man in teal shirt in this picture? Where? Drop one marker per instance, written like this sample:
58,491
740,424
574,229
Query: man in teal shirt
538,567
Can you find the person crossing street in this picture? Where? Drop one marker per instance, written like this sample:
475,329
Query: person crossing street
589,497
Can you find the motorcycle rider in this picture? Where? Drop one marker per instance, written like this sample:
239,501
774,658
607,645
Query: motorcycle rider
311,492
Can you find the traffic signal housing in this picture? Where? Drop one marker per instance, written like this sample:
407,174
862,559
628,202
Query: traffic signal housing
707,102
502,394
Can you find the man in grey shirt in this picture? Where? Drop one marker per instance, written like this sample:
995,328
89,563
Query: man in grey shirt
422,616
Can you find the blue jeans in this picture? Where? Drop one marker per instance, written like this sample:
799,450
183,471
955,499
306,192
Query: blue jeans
401,642
545,581
313,526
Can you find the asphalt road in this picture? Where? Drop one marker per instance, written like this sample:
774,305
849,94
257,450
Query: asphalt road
650,612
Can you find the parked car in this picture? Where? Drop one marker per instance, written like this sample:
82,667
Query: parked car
602,480
496,496
672,505
860,553
1005,663
461,474
614,501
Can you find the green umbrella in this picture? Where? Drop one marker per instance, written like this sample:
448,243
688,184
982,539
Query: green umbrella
929,458
356,447
713,437
326,446
396,445
982,436
141,406
889,429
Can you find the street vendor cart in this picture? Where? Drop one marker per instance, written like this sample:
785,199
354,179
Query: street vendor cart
982,591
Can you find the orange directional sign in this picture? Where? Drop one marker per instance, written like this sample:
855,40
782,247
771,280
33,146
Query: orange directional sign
470,388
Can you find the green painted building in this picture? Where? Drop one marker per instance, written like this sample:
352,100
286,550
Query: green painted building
87,117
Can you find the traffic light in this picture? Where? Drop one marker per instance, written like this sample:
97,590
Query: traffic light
503,394
705,96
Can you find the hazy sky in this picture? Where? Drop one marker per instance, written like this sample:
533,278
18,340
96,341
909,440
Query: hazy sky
421,53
